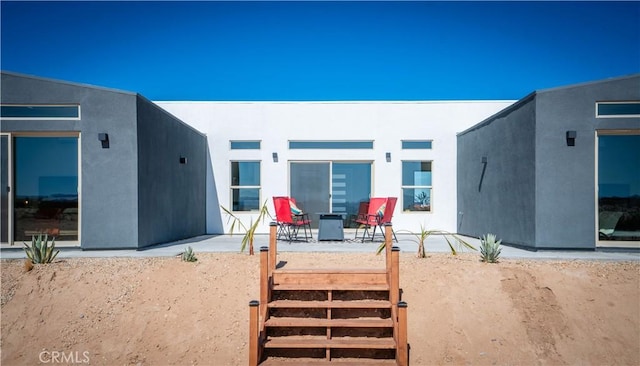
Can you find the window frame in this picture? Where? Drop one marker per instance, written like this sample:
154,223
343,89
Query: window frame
233,187
232,142
23,118
406,147
414,187
599,115
331,144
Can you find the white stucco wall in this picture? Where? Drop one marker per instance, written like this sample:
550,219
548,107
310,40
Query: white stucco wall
386,123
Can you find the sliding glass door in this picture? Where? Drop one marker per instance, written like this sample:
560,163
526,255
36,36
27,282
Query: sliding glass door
45,187
334,186
4,188
619,189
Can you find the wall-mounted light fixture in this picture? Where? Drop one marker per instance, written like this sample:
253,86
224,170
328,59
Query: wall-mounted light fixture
275,157
104,139
571,138
183,160
388,155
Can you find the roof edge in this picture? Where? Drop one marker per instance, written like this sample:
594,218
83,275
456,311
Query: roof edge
500,114
587,83
65,82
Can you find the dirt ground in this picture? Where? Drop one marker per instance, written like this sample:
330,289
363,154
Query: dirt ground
162,311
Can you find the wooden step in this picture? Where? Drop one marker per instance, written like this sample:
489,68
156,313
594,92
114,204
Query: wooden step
332,323
344,343
330,286
320,362
356,277
336,304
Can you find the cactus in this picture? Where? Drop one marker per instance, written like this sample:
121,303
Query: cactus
489,248
40,252
188,255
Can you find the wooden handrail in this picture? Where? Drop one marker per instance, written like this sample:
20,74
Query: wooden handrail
264,283
273,243
402,347
253,332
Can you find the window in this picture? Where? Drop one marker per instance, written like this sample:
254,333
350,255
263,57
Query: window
416,144
618,109
416,186
331,144
40,111
245,185
245,145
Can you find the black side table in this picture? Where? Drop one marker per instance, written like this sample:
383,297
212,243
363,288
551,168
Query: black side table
330,226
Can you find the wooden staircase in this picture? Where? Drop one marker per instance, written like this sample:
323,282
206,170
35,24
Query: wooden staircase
321,316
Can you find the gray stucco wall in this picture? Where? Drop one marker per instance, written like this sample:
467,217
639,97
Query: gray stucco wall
108,177
499,197
565,175
172,196
537,191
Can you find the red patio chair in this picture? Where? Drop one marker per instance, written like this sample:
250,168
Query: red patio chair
388,215
375,213
290,219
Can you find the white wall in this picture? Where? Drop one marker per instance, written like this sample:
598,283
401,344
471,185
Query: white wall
386,123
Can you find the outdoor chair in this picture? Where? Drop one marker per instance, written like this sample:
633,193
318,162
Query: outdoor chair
375,213
388,216
290,219
363,207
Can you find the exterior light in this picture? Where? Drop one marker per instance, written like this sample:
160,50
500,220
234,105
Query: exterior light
388,157
275,157
571,138
104,139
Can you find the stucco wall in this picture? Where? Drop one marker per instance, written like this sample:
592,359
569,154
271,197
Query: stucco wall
386,123
566,175
108,177
171,197
499,197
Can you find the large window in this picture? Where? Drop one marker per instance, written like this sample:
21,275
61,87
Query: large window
245,185
618,189
416,186
46,187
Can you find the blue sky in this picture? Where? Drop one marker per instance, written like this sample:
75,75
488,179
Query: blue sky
322,50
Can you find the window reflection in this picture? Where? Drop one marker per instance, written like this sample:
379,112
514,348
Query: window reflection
619,187
46,187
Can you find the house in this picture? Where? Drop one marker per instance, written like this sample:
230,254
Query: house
111,169
98,167
560,168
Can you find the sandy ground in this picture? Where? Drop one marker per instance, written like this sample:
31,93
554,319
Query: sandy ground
161,311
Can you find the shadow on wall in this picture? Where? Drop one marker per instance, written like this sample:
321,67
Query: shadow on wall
214,216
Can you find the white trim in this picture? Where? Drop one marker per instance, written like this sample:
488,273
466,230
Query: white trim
617,115
608,243
43,118
10,185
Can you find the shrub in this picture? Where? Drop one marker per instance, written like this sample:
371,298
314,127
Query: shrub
40,251
188,255
489,248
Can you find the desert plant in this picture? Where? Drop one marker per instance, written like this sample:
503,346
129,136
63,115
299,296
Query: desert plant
249,230
40,251
188,255
421,236
489,248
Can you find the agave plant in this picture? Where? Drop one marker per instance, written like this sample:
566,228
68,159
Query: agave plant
489,248
421,236
40,251
249,230
188,255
